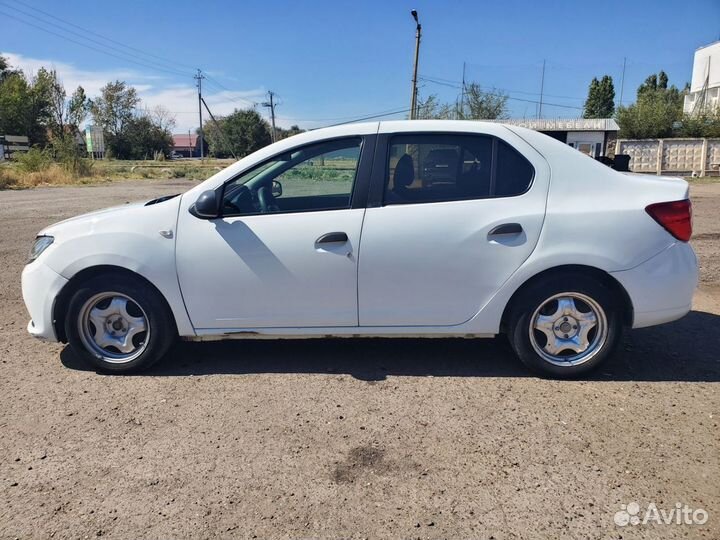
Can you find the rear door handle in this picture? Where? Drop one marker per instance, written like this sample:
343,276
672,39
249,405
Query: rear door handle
332,238
506,229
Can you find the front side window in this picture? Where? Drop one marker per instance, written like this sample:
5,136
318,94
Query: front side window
425,168
315,177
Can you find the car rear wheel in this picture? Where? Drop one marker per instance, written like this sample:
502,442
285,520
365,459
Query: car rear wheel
118,324
565,325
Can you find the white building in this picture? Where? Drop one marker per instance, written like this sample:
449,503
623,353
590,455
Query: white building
705,86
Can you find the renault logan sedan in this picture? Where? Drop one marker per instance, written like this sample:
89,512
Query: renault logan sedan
393,229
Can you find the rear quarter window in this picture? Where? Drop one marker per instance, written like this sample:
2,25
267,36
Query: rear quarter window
513,172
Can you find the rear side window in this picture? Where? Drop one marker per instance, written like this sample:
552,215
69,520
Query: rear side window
426,168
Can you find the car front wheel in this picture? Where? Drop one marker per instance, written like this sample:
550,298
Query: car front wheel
565,325
118,324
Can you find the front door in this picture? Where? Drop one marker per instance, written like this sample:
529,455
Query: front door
284,254
459,214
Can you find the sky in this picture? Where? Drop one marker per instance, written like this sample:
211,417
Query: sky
330,61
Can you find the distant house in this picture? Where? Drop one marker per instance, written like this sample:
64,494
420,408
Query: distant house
186,145
591,136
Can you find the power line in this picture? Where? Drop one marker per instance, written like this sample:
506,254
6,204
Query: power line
171,63
458,84
226,89
370,117
93,48
507,96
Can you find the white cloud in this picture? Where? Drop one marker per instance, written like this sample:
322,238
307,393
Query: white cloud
180,99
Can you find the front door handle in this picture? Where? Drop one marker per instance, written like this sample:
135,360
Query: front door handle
506,229
332,238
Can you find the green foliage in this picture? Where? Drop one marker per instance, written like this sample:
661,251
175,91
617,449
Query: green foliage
477,104
115,107
71,155
24,104
241,133
701,125
600,102
65,115
34,160
140,138
657,108
481,105
431,108
285,133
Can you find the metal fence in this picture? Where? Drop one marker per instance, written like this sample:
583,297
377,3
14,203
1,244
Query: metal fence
688,157
9,144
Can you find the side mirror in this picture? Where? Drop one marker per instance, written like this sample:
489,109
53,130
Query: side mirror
207,205
276,188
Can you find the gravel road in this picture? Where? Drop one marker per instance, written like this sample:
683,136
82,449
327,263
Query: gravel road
351,438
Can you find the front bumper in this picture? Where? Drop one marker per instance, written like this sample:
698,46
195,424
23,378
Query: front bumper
661,289
40,288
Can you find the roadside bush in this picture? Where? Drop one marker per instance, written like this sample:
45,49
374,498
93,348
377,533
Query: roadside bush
34,160
7,178
71,156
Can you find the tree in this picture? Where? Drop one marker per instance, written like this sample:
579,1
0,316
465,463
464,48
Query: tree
481,105
241,133
162,117
431,108
285,133
24,104
113,111
477,104
144,137
115,107
65,115
705,124
600,102
655,111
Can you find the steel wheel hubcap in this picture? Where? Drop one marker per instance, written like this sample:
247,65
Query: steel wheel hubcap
568,329
114,327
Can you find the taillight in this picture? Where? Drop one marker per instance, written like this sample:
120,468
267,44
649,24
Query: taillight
675,217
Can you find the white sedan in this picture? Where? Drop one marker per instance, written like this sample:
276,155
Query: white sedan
393,229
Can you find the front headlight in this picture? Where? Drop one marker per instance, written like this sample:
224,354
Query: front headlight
40,245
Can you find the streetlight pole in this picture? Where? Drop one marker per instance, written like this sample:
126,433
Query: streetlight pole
413,99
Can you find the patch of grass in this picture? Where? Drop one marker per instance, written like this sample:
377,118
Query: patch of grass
34,160
7,178
703,179
40,169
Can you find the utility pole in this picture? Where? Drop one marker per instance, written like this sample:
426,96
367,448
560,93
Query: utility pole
413,99
271,105
462,94
542,88
622,80
199,77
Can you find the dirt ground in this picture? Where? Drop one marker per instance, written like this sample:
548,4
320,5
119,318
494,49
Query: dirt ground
351,438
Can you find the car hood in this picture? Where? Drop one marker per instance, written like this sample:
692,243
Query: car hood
114,212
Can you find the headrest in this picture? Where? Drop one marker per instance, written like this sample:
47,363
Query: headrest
404,174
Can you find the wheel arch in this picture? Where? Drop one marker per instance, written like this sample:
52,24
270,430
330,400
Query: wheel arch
602,276
63,300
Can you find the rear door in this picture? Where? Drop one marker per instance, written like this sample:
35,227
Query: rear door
450,218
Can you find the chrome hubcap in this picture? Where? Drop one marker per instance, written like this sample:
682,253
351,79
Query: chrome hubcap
568,329
114,327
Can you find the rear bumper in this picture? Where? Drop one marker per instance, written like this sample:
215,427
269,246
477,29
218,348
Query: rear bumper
40,288
661,289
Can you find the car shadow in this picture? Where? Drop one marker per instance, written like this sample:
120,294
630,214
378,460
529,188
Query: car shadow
685,350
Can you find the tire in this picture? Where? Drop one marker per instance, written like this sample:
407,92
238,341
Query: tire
138,327
551,325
